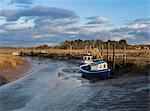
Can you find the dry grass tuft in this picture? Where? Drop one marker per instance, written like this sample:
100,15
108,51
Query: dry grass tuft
10,61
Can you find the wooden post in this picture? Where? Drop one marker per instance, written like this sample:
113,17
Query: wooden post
52,49
102,51
124,56
86,49
90,51
31,53
93,45
108,46
114,47
70,49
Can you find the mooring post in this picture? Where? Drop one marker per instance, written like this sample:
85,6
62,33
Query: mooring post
31,52
70,49
108,46
124,56
114,47
102,51
93,46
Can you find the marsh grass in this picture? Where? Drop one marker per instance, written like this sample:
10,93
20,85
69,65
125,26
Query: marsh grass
9,61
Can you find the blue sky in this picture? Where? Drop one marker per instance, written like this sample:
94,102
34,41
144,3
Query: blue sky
116,10
37,22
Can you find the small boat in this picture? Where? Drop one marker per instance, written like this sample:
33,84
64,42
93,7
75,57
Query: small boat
16,53
43,51
95,69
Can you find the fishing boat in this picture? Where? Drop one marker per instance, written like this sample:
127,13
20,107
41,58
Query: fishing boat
95,69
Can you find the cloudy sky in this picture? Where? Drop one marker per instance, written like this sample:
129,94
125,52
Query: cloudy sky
37,22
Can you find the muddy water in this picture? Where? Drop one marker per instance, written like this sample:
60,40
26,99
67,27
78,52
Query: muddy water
55,85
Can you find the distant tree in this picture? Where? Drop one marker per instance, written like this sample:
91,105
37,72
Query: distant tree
123,42
42,47
82,44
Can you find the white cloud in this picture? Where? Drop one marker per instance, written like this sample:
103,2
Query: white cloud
102,19
97,20
42,36
137,26
38,11
71,32
2,31
18,26
120,37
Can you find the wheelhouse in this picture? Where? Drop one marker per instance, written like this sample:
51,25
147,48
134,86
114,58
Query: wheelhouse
88,59
99,65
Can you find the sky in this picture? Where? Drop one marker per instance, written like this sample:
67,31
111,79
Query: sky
39,22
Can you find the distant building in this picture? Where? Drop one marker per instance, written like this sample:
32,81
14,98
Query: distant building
139,47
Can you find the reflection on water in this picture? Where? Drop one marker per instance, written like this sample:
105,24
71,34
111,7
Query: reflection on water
54,85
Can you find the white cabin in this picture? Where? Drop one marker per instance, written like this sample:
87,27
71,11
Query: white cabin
98,65
88,59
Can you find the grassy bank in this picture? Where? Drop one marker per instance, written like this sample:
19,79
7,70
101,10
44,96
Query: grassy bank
129,60
10,61
132,69
11,67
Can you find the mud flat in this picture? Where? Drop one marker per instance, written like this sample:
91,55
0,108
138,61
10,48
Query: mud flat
127,90
12,67
126,93
43,90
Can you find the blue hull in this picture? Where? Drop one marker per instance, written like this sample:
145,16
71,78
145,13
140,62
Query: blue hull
96,74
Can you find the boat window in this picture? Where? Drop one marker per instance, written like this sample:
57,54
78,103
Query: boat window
89,58
100,66
93,64
84,58
104,65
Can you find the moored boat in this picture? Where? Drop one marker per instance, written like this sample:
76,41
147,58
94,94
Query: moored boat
16,53
95,69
